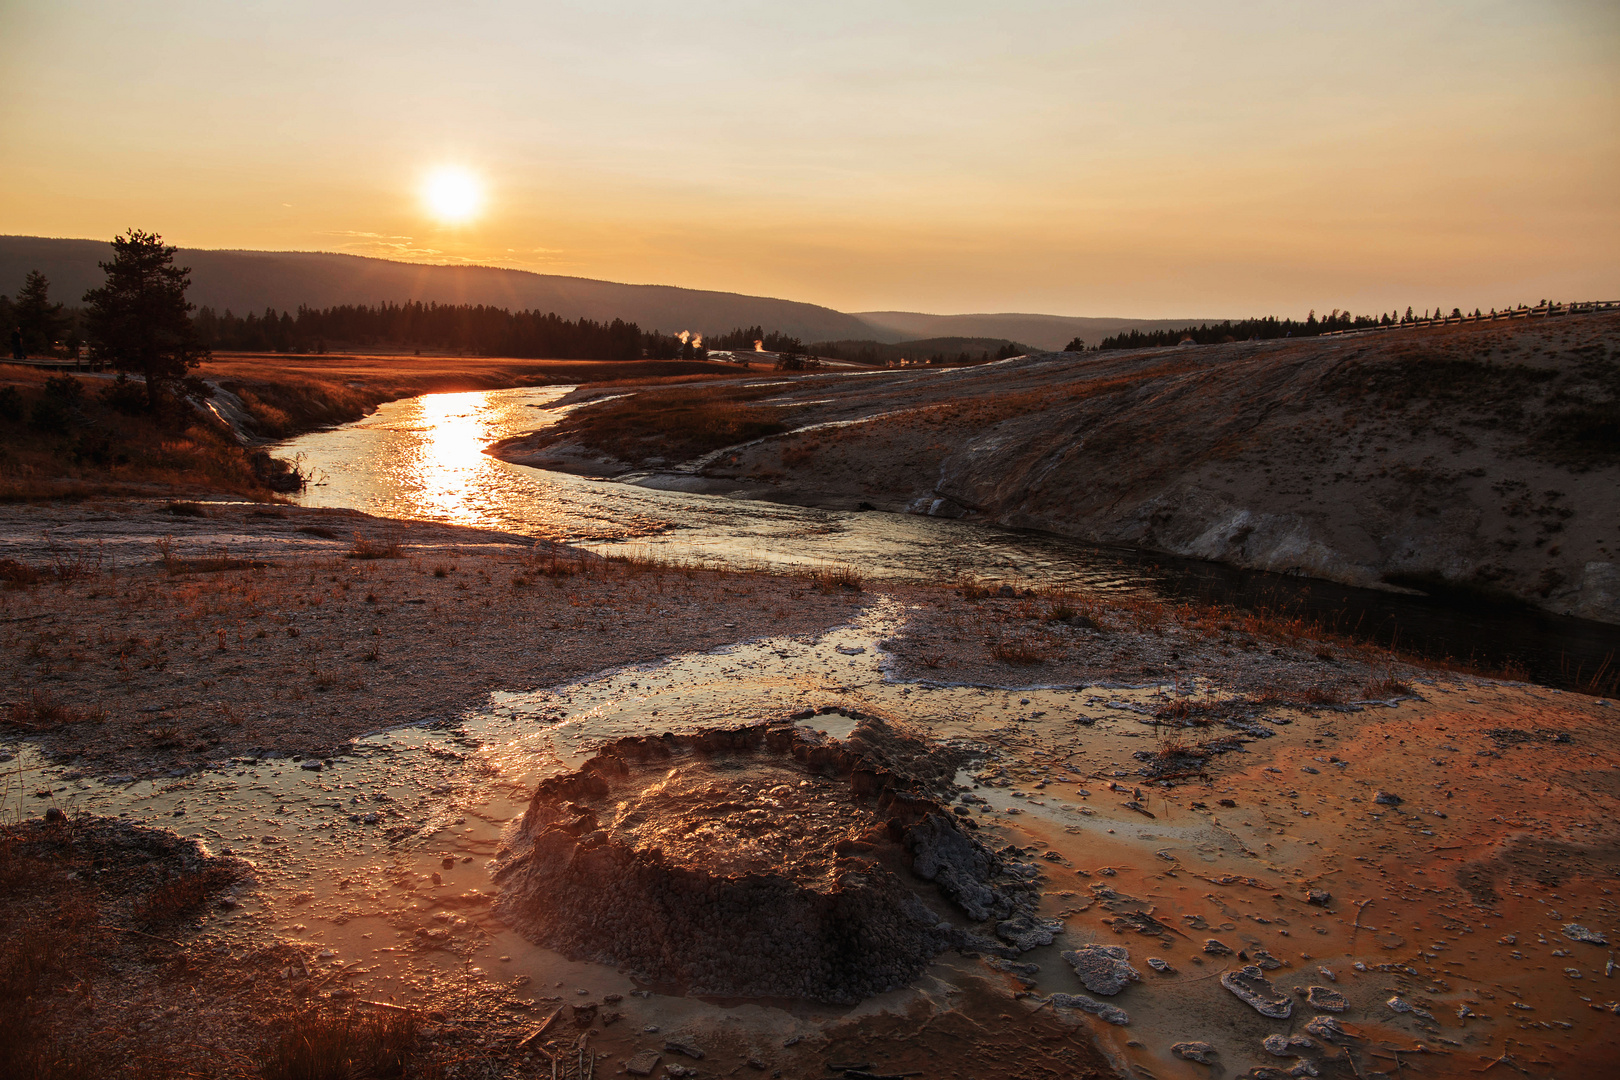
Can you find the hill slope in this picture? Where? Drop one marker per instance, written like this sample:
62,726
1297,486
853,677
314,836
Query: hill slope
1481,459
253,280
247,281
1043,331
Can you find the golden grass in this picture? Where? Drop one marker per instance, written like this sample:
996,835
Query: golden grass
92,450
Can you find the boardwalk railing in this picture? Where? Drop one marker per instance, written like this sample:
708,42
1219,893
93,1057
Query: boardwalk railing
53,362
1540,311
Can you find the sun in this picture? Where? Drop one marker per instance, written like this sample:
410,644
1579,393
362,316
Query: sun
452,194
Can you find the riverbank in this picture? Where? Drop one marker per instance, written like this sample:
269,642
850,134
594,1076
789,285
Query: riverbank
70,436
1477,461
290,394
1175,776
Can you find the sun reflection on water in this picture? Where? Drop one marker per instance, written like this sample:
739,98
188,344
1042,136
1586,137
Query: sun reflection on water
447,466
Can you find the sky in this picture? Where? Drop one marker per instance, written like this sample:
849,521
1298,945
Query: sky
1133,158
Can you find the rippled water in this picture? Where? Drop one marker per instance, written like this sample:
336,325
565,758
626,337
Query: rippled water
423,458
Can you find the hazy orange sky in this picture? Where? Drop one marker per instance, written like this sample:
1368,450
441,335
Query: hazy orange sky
1150,158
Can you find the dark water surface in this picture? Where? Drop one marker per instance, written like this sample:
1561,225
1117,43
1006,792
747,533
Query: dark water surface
423,458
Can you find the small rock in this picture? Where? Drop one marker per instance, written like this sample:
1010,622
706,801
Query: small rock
54,815
1573,931
1104,969
642,1063
1286,1045
1216,948
1266,961
677,1047
1105,1012
1319,897
1384,798
1401,1005
1321,997
1025,932
312,766
1327,1029
584,1015
680,1072
1201,1052
1251,987
1159,964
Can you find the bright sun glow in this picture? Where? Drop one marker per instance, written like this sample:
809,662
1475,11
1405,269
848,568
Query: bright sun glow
452,194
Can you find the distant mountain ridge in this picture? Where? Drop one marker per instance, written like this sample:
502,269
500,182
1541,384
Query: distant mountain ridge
1045,331
245,281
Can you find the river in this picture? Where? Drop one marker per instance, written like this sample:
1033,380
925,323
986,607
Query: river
422,458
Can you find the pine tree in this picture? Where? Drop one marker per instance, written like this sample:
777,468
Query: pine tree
40,321
139,321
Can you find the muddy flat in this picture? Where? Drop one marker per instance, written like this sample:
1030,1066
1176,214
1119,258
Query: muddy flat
1416,863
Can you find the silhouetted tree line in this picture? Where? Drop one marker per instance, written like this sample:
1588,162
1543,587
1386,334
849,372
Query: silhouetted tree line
877,353
743,337
1264,329
463,328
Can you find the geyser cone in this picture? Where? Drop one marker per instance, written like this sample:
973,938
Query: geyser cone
766,861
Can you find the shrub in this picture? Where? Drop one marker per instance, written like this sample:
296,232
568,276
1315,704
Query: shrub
124,395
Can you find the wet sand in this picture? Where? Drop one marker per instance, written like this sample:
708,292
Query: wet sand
371,858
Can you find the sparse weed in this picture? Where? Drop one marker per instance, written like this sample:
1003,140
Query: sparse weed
41,711
325,1046
1020,650
1386,687
181,897
387,548
831,579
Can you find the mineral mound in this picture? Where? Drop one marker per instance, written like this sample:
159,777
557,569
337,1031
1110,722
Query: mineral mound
767,861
